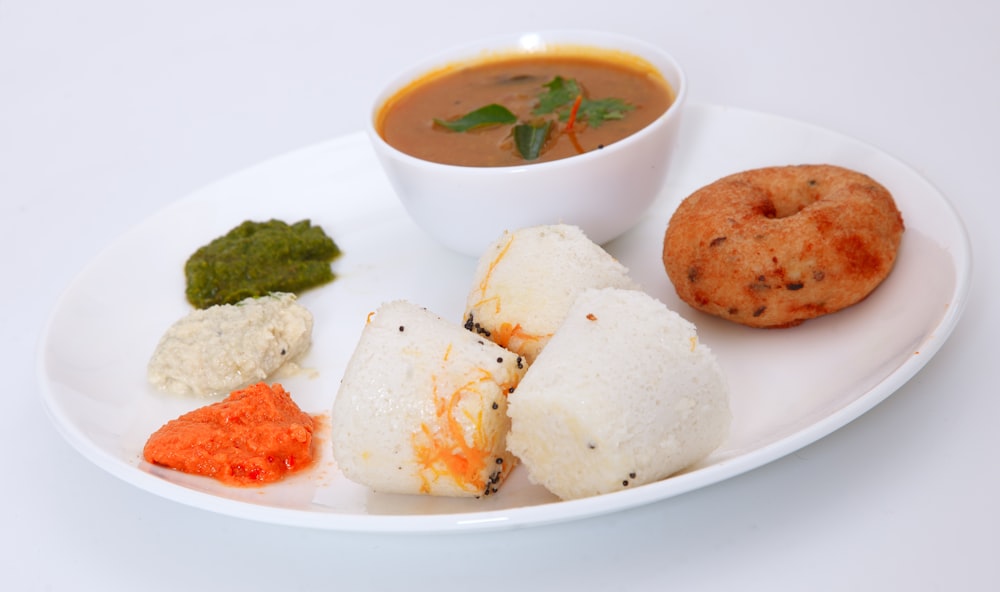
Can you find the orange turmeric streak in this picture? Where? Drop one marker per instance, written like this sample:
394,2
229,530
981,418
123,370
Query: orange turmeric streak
442,449
484,284
512,336
572,114
507,335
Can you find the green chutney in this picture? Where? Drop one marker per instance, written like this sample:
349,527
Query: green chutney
257,258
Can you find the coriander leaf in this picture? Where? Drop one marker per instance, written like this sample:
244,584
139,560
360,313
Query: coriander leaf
492,114
529,138
561,91
596,112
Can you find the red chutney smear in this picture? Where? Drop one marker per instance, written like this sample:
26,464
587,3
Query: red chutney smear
252,437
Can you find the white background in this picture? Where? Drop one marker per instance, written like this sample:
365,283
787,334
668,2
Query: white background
111,110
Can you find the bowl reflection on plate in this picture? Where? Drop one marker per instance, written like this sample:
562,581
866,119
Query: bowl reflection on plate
605,192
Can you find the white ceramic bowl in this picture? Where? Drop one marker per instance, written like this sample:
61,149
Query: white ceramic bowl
605,192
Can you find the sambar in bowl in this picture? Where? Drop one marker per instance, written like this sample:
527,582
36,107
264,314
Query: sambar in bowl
570,127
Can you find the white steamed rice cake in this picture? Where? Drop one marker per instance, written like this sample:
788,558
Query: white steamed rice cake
527,279
422,407
624,394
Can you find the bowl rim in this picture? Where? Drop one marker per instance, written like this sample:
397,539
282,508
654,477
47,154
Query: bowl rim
518,43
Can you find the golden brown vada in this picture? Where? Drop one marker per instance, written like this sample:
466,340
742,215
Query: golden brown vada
775,246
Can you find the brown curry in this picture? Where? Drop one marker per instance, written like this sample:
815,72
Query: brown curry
631,92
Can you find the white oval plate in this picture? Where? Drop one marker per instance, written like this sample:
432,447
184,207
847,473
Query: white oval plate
790,387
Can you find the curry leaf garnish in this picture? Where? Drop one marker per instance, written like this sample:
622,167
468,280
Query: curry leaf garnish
561,92
563,99
596,112
529,138
492,114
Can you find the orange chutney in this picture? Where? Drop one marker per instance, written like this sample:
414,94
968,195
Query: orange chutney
406,120
254,436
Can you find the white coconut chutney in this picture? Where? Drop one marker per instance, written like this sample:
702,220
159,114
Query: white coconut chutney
230,346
